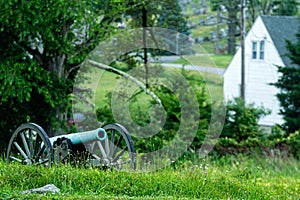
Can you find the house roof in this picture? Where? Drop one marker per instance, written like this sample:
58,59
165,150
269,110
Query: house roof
282,28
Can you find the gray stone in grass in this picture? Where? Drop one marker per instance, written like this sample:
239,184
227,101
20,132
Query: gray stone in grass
47,188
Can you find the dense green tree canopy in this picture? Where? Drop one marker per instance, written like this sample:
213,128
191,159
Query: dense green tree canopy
43,44
285,7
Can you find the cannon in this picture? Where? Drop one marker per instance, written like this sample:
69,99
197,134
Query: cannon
110,146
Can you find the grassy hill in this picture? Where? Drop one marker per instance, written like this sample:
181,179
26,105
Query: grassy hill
103,82
225,178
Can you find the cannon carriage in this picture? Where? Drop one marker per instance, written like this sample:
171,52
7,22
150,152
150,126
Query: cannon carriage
110,146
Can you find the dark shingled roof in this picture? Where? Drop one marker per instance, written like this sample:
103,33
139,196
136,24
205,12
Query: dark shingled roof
282,28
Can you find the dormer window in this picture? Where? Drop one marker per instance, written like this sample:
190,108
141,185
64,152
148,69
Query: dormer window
258,50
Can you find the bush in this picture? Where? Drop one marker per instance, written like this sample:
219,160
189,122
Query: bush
241,121
293,141
173,119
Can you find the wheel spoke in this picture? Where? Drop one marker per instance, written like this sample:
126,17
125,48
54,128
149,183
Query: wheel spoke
116,146
95,156
92,147
120,154
16,159
102,150
121,163
31,143
112,141
42,162
38,146
107,147
25,144
120,142
20,150
40,152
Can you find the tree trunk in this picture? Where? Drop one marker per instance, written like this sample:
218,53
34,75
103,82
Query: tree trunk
232,15
56,115
144,19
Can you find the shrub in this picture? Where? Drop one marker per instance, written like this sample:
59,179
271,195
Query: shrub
241,121
293,140
173,119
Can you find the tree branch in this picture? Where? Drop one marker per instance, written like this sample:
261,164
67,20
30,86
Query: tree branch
34,52
82,98
72,69
77,89
121,73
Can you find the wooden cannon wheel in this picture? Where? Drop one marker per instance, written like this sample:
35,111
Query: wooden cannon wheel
30,145
116,151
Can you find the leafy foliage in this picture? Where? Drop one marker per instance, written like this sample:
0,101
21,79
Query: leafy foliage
255,8
293,141
289,86
45,43
288,97
267,7
285,7
164,14
241,120
173,108
232,8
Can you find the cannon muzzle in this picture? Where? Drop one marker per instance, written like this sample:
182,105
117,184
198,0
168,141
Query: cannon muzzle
83,137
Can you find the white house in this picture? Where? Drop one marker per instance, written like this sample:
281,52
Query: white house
264,50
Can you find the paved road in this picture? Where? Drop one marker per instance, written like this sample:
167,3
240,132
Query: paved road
164,59
207,69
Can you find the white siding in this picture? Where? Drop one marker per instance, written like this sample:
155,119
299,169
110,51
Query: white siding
259,74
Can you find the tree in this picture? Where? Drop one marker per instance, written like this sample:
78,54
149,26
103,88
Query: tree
273,7
285,7
289,86
172,18
45,44
255,8
233,8
165,14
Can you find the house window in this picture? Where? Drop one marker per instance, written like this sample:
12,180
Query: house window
258,50
254,50
261,50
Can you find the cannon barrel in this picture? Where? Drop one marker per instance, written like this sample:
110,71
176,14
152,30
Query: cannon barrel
31,145
83,137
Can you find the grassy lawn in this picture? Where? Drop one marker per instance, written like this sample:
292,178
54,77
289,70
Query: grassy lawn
220,61
225,178
205,30
103,82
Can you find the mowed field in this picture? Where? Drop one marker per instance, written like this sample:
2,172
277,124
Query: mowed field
102,82
222,178
230,177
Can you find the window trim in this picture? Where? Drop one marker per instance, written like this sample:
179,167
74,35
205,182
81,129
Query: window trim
258,50
262,50
254,50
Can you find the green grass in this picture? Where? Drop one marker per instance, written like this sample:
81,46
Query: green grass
103,82
220,61
205,31
225,178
